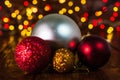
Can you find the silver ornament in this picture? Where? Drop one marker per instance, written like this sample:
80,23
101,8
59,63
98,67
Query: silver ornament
57,28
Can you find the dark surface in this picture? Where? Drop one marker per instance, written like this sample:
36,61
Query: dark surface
10,71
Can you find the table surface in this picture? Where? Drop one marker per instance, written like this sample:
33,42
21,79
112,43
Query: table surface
10,71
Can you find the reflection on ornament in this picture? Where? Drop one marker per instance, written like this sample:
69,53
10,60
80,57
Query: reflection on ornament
63,60
57,28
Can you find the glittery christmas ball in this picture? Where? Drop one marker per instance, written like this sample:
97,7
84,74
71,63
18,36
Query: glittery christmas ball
94,51
63,60
32,54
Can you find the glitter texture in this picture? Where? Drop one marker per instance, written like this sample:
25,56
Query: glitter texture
63,60
32,54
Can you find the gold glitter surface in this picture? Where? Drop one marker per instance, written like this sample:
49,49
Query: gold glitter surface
63,60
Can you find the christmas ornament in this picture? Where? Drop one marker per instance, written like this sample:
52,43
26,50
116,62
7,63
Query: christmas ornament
63,60
94,51
32,54
58,29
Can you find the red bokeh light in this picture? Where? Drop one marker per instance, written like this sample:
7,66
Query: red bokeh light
115,14
102,26
6,26
104,9
117,4
94,22
105,1
118,28
112,18
26,3
85,14
0,7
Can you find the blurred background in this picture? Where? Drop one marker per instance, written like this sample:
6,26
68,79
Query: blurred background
18,17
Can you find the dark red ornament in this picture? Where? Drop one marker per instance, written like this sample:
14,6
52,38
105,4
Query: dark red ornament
32,54
94,51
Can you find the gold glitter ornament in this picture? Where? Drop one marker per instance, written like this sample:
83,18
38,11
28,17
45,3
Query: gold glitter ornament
63,60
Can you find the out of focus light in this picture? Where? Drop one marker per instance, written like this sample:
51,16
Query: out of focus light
118,28
13,15
11,27
110,37
64,10
6,19
26,3
83,2
17,12
110,30
47,7
40,16
34,9
90,26
9,5
70,11
20,27
70,3
105,1
86,14
98,13
26,22
62,1
112,18
83,19
115,9
19,17
30,17
0,7
102,26
77,8
6,26
60,12
115,14
34,2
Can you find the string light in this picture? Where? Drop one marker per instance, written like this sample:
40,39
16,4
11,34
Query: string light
110,30
64,10
47,7
77,8
11,27
115,14
115,9
83,2
0,7
102,26
26,22
20,27
118,28
26,3
30,17
90,26
6,19
70,3
34,2
62,1
98,13
83,19
13,15
34,9
70,11
40,16
112,18
19,17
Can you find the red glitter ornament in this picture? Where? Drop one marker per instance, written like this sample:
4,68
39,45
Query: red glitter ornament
94,52
32,54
